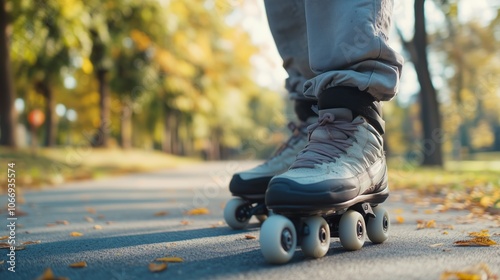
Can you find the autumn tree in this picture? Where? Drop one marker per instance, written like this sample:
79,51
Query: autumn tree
7,112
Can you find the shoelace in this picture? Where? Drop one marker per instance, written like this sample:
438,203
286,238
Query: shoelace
319,150
297,134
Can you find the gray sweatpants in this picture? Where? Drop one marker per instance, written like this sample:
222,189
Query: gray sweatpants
328,43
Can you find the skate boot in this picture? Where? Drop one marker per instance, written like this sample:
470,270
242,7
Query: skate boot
331,190
250,186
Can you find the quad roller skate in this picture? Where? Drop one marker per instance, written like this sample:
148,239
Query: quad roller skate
282,233
249,187
333,189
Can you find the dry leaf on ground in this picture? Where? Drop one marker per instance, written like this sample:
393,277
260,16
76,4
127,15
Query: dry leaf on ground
185,223
31,242
421,224
4,237
89,219
91,210
198,211
400,219
78,264
49,275
250,237
157,267
170,259
476,241
482,233
5,245
97,227
76,234
479,272
62,222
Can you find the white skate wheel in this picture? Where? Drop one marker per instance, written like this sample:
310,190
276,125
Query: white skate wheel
278,239
352,230
378,228
317,242
233,213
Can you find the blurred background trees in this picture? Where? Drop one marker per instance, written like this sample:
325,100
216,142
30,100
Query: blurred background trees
179,76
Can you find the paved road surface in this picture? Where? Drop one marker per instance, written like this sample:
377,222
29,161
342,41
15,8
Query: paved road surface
132,236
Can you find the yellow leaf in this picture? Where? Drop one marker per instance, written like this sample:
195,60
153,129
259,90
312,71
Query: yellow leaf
476,272
157,267
482,233
421,224
250,237
476,241
198,211
97,227
400,219
76,234
78,264
49,275
170,259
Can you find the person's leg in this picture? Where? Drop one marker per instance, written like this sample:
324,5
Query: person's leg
355,69
287,23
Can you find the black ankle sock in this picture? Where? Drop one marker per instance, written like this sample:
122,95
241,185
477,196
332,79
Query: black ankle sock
303,109
359,102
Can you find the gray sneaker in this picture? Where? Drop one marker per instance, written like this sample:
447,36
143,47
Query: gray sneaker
343,164
252,184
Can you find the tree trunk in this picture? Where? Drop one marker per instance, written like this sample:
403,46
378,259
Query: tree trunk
7,111
431,120
126,126
50,117
101,138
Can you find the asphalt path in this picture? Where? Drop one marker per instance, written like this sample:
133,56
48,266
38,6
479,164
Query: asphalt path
127,222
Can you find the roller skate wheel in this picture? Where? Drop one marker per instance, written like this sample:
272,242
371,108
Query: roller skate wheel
235,213
278,239
317,242
378,228
352,230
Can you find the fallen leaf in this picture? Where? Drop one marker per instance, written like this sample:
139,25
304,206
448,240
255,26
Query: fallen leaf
62,222
476,241
197,211
161,213
49,275
445,232
482,233
21,213
97,227
89,219
250,237
157,267
76,234
5,245
421,224
400,219
477,272
436,245
170,259
185,223
4,237
51,225
429,211
31,242
78,264
91,210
